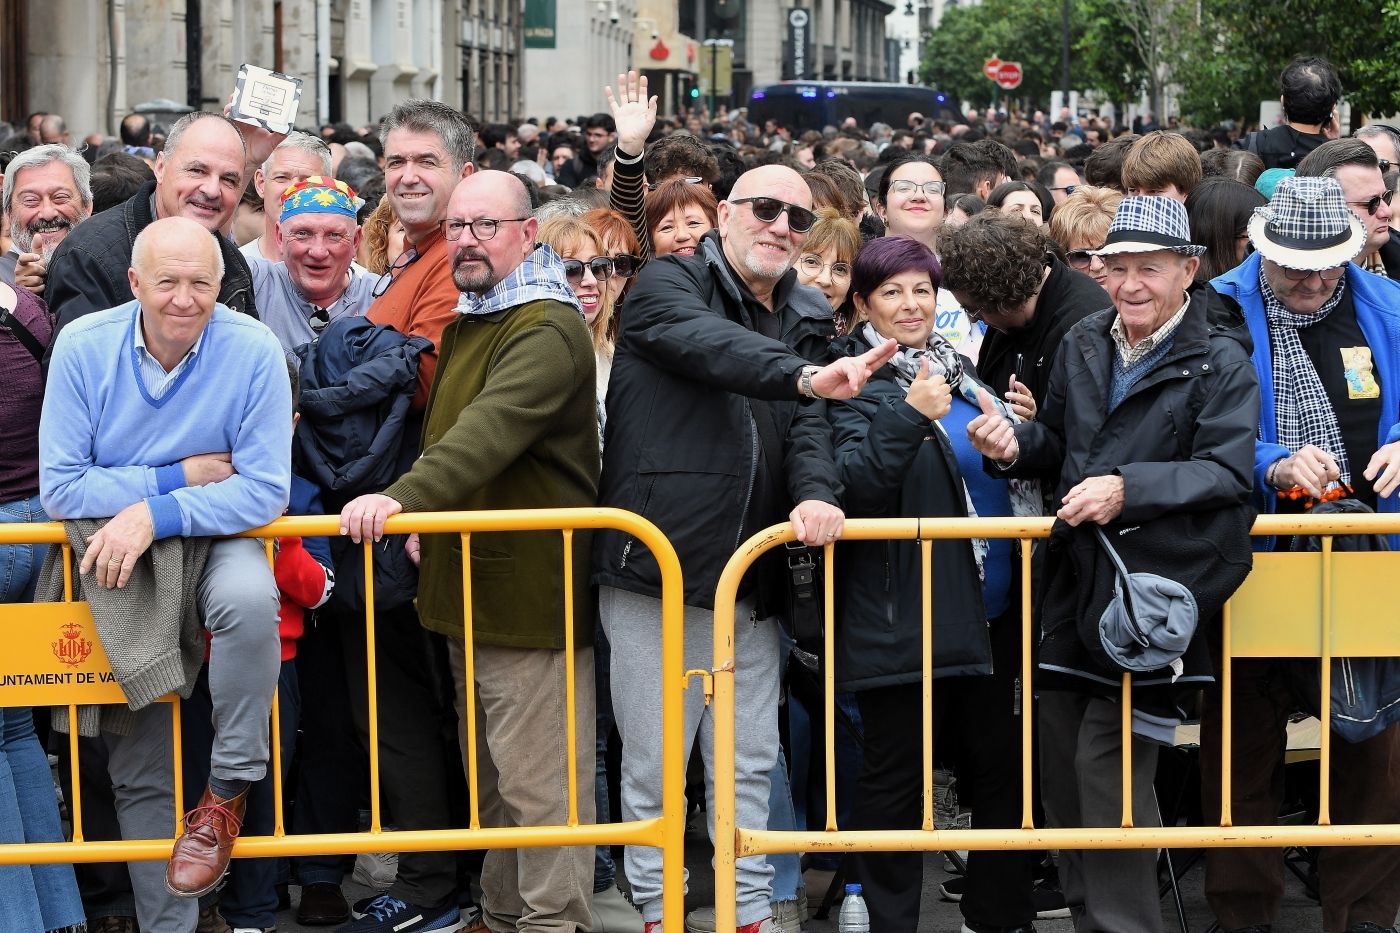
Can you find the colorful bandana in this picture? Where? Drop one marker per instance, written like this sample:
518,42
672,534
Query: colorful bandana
320,195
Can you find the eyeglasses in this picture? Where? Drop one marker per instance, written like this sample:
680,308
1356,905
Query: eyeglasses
1373,203
904,187
1301,275
625,266
1067,189
800,219
1081,258
812,265
407,258
688,179
483,228
602,268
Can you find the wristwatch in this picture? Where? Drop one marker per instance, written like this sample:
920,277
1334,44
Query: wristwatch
804,381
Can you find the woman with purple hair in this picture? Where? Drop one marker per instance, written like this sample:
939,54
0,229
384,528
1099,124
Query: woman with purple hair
902,450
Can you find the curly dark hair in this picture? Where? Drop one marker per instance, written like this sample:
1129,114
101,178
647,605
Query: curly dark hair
679,154
993,260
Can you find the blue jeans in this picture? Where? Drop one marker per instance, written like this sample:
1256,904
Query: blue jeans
33,898
604,868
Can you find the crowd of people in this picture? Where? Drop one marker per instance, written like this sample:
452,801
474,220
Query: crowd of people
1151,336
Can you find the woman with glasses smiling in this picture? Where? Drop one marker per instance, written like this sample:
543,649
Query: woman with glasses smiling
825,263
1080,224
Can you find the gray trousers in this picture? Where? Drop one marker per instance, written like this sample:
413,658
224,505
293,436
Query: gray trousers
523,780
633,624
1081,766
238,602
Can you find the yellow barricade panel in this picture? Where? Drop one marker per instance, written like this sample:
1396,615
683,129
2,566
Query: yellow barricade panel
1274,614
1364,620
53,657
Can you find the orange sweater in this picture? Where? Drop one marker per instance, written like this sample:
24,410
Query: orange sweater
420,303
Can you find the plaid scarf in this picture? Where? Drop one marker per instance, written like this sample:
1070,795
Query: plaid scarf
539,277
1303,413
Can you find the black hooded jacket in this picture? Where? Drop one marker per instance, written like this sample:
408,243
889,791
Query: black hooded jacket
894,464
88,270
1183,442
1066,298
694,398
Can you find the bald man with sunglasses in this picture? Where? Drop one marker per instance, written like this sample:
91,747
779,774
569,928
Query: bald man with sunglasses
716,430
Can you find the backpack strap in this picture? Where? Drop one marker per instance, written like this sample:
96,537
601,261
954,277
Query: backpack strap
22,333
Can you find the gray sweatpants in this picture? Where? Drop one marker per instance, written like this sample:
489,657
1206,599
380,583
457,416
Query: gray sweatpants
238,602
633,625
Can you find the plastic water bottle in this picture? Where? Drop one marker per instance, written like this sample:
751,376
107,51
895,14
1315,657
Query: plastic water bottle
854,917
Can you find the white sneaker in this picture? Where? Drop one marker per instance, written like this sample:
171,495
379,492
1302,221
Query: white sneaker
376,869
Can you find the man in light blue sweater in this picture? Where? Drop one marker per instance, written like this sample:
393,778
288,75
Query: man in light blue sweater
172,416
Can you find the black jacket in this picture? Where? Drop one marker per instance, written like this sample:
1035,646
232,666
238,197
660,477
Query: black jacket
893,463
1280,146
88,270
690,382
1182,439
1066,298
1390,256
357,435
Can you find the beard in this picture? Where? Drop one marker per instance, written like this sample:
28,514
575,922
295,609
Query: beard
23,237
468,280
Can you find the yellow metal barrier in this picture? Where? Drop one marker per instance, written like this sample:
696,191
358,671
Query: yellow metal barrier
82,677
1292,605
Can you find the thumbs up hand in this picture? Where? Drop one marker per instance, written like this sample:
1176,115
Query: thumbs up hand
930,397
991,434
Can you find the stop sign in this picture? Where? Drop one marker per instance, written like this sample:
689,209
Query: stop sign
989,68
1009,75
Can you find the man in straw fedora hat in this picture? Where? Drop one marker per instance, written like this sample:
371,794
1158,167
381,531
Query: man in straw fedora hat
1327,349
1147,429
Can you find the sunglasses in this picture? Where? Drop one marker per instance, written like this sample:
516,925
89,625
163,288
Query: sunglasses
626,266
1300,275
602,268
1374,203
1080,258
800,219
688,179
320,317
407,258
1067,189
1385,165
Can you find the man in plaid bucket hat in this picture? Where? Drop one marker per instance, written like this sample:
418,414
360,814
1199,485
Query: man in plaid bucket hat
1327,349
1147,429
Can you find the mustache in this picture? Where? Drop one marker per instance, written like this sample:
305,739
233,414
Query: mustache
45,225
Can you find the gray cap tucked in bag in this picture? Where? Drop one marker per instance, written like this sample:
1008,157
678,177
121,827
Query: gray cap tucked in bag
1150,620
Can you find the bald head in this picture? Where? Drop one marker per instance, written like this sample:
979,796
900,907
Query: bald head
482,257
762,251
176,269
175,236
500,188
762,181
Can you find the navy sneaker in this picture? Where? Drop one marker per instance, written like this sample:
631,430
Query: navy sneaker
385,914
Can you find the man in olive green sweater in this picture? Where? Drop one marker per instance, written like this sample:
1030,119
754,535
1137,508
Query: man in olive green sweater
511,424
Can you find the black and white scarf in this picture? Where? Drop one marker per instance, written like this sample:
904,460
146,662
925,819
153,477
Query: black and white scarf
1303,413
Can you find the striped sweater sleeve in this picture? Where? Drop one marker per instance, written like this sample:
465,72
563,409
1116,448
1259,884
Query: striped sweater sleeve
628,196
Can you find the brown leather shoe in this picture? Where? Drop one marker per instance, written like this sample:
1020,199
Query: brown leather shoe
201,854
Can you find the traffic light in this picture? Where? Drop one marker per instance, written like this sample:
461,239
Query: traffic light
694,92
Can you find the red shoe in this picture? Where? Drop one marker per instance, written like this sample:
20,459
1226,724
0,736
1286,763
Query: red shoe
758,926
